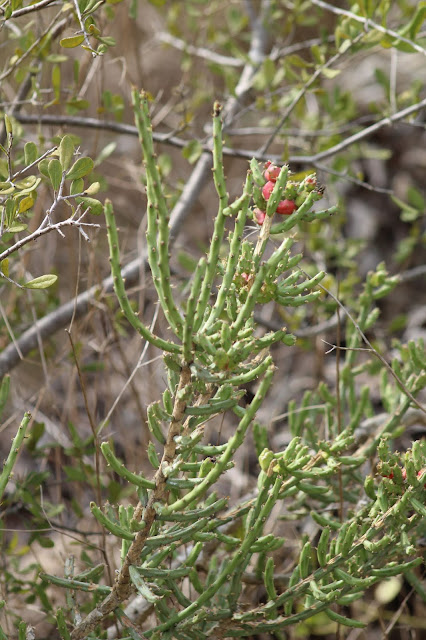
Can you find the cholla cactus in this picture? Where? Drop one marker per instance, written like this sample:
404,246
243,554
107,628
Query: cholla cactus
197,591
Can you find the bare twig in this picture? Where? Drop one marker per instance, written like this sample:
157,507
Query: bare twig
97,450
79,305
41,231
35,7
228,151
383,360
303,90
201,52
30,49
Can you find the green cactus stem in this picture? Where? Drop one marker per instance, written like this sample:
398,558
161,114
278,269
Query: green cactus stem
120,469
234,253
219,225
234,442
188,329
158,215
9,463
120,291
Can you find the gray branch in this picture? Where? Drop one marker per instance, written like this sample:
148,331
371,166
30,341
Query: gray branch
61,317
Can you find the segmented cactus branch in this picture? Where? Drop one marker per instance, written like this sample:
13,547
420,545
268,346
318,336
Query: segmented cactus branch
120,290
158,231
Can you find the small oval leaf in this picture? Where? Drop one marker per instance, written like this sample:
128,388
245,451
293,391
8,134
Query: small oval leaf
66,152
4,267
30,153
43,167
96,207
17,228
80,168
93,189
73,41
77,186
42,282
55,173
26,203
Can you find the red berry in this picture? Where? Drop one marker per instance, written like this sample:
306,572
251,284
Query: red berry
267,189
286,207
310,182
272,172
245,276
404,474
419,473
259,216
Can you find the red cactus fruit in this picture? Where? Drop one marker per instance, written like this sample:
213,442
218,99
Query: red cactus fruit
286,207
267,189
311,182
272,172
259,216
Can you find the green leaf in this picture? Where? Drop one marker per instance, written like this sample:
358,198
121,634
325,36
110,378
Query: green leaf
409,214
28,185
26,203
80,168
96,207
93,189
4,267
416,198
77,186
45,542
91,6
105,153
43,167
56,58
73,41
30,153
66,152
42,282
4,390
56,81
8,125
6,188
78,103
330,73
192,151
17,228
108,40
55,173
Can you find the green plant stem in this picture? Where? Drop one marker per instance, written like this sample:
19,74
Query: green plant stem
267,497
234,442
120,289
218,172
120,469
158,215
248,306
219,225
233,256
13,453
188,333
302,215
